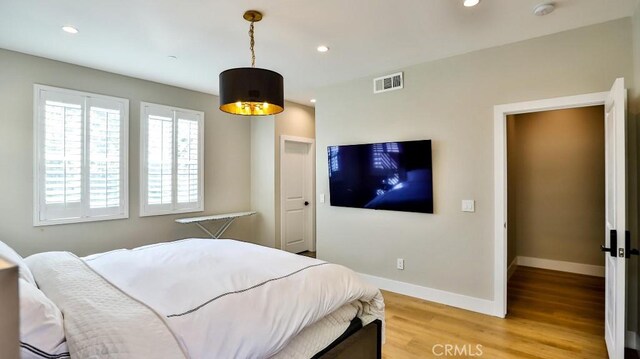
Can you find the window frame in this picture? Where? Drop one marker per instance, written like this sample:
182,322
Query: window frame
38,156
174,207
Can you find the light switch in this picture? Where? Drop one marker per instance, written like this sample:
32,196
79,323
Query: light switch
321,197
468,205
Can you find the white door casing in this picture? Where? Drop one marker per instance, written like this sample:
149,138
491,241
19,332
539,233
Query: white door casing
615,167
500,178
616,218
296,194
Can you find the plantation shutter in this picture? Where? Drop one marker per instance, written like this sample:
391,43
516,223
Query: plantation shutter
80,156
61,154
105,137
187,157
159,171
172,160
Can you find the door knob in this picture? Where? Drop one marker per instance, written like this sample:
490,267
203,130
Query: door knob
306,203
613,240
627,240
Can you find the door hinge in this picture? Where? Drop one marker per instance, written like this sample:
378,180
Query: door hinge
621,252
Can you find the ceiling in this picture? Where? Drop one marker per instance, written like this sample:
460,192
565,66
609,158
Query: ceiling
366,37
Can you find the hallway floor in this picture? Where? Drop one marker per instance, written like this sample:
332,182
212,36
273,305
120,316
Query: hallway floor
552,315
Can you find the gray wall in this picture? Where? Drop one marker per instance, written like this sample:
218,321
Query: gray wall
227,159
451,102
297,120
556,188
9,311
512,196
263,180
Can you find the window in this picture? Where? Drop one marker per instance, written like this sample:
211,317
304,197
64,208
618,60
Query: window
334,160
81,156
172,160
382,158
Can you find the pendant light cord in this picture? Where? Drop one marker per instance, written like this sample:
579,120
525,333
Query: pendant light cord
251,45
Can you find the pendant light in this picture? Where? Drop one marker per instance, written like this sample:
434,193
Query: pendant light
251,91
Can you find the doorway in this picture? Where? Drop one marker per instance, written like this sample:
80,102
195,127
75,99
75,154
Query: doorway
616,244
297,205
556,218
556,190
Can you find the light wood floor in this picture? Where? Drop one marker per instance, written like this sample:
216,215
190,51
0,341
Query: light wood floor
308,254
551,315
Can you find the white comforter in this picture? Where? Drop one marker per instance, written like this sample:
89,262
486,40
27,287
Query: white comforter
229,299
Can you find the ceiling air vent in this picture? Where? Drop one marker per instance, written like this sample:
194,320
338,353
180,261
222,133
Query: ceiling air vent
388,83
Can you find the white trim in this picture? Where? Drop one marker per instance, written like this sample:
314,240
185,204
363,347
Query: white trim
312,158
500,113
512,268
296,139
632,340
164,212
54,222
37,154
79,93
474,304
562,266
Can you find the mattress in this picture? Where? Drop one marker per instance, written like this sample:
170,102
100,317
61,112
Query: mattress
200,298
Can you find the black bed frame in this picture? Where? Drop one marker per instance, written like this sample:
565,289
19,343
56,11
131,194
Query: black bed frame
357,342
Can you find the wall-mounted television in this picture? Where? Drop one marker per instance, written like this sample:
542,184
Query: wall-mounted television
392,176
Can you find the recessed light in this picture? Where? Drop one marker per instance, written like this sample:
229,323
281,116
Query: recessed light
70,29
470,3
313,100
323,48
172,57
544,9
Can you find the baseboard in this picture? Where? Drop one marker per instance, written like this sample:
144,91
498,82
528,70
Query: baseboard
512,268
632,340
579,268
473,304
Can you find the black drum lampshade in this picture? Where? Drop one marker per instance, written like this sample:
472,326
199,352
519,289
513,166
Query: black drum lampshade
251,91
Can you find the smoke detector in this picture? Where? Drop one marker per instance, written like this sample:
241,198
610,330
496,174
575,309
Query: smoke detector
544,9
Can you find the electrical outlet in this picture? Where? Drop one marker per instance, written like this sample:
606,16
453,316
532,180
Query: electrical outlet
400,264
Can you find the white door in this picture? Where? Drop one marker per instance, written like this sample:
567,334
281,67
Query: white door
615,164
296,179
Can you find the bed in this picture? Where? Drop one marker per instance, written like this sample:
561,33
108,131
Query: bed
200,298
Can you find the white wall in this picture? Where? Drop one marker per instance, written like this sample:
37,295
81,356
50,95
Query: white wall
227,159
635,93
451,102
634,127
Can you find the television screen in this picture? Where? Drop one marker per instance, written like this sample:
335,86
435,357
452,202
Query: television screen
391,176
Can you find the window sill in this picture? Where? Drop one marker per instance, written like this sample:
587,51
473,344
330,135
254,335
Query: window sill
169,212
54,222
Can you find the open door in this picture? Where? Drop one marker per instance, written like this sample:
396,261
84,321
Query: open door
616,219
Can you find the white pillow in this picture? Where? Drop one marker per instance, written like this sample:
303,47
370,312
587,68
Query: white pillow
8,253
41,325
